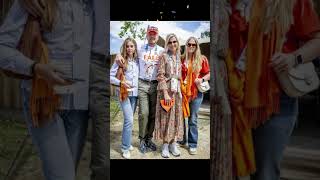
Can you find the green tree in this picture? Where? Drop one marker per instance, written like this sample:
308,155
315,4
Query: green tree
130,29
205,34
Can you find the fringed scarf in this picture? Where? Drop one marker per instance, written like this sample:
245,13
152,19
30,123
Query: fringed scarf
255,94
262,90
43,102
123,90
189,89
242,144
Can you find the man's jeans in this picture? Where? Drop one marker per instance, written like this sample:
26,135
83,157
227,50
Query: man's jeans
60,142
147,93
128,108
271,138
98,108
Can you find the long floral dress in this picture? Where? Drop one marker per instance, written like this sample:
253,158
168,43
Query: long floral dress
169,125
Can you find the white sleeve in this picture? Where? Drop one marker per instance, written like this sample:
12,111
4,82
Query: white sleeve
113,72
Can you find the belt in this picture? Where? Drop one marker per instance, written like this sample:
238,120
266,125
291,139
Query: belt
148,81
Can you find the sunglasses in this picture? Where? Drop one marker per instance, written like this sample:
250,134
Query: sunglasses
192,45
172,42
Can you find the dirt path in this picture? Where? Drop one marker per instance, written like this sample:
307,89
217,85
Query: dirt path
203,141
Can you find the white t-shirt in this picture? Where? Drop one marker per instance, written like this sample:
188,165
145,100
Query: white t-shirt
148,61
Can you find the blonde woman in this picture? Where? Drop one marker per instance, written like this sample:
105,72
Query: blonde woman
128,92
168,124
195,70
274,37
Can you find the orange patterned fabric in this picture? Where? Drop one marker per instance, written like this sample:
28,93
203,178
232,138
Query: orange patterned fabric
123,90
189,90
262,89
242,143
43,102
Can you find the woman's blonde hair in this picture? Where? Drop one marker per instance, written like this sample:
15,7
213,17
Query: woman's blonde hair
169,36
123,50
280,11
196,56
45,10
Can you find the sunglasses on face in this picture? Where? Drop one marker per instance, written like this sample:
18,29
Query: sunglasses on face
172,42
192,45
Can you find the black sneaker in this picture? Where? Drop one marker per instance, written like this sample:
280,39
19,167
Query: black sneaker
143,147
151,145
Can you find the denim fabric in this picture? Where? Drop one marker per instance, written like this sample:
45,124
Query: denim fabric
193,120
60,142
128,108
271,138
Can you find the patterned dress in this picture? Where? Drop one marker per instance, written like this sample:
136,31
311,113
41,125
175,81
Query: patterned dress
221,123
169,125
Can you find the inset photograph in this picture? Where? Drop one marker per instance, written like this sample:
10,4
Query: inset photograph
159,78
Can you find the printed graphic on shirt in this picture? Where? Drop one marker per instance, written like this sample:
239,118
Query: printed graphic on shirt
149,61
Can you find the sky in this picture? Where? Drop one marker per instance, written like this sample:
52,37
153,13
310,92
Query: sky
183,29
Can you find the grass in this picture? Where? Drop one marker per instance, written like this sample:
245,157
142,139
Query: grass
11,136
114,108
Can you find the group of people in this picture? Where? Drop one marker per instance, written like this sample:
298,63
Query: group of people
164,83
60,49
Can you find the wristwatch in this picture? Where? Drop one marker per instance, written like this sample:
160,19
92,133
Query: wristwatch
298,60
32,68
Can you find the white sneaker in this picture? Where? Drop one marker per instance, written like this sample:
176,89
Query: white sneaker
126,154
193,151
174,149
131,148
165,151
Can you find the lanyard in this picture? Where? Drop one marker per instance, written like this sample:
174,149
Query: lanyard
174,66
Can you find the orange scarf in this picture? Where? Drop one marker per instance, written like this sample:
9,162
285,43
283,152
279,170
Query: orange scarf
242,144
254,95
189,90
43,102
123,90
262,90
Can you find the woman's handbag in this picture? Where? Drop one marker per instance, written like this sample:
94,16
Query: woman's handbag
204,86
300,80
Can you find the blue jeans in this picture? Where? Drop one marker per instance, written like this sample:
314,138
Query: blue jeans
271,139
193,120
60,142
128,108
